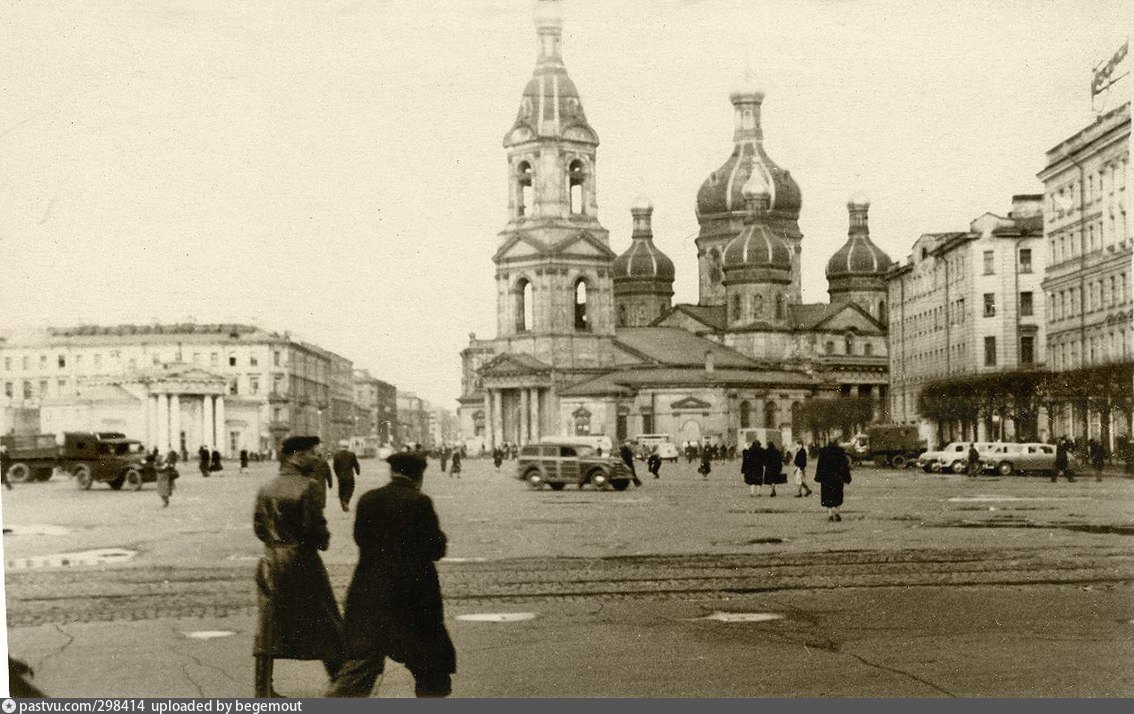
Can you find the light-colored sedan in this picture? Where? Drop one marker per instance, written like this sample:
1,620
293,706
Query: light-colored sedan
1008,459
954,456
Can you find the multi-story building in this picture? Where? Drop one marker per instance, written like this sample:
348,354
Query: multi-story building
1089,242
413,420
376,404
964,303
340,424
228,387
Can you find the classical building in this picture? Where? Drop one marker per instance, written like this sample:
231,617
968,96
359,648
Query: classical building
1089,248
376,405
228,387
967,302
589,342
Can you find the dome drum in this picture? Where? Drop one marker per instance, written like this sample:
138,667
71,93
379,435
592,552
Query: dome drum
626,287
748,274
852,283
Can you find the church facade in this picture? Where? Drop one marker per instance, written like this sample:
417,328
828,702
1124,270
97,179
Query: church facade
589,341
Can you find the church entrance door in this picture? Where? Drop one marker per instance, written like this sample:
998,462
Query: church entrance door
690,431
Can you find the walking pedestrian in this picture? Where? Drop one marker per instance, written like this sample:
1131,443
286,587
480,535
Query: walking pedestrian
346,468
832,471
706,466
244,461
203,460
455,465
627,456
166,475
216,466
444,454
973,465
1062,462
298,617
799,471
752,467
1096,454
497,458
654,463
773,468
393,605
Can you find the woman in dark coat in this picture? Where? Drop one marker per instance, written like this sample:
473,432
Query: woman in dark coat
773,467
706,466
455,465
497,457
832,471
752,467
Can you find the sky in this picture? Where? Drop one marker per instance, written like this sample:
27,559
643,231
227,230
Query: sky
335,168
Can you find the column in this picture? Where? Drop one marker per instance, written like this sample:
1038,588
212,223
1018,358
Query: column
489,434
497,418
533,402
221,439
525,413
163,423
175,423
152,439
202,426
207,423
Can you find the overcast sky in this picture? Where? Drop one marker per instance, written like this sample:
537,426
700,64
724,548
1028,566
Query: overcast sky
336,169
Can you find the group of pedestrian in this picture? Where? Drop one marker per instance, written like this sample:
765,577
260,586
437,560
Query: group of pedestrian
393,604
209,462
764,466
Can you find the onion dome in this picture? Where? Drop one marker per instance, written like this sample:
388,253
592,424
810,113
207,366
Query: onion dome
721,192
859,255
550,105
756,246
642,260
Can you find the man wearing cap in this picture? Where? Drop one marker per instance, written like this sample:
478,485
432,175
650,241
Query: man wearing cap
393,606
298,615
346,466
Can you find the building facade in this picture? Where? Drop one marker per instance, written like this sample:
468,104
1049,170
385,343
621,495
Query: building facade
588,342
965,303
376,405
1089,247
228,387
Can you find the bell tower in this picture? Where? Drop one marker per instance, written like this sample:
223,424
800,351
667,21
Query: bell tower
553,260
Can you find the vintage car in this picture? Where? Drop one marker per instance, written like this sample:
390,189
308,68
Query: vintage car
1008,459
953,456
560,464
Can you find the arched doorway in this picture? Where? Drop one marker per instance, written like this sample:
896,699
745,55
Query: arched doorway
690,431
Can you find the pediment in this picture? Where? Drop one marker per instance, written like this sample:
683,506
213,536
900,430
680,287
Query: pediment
520,245
690,404
583,243
849,317
512,365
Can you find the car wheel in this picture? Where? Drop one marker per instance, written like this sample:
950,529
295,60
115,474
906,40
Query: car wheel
599,480
535,481
620,484
557,486
83,476
935,467
133,479
958,467
898,462
1005,468
19,473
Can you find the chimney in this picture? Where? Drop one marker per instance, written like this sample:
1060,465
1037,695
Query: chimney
710,361
1026,205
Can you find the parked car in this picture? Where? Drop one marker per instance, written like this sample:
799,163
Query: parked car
1008,459
560,464
667,451
953,456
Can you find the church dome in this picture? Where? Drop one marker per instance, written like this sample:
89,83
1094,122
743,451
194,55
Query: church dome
643,261
721,192
858,256
756,247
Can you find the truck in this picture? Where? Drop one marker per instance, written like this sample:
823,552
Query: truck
887,445
104,457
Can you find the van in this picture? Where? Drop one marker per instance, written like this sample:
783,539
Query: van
598,442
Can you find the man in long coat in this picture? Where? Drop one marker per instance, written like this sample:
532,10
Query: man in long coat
393,606
298,615
752,467
346,467
832,471
773,466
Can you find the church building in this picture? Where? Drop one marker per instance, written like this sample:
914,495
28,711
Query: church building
589,341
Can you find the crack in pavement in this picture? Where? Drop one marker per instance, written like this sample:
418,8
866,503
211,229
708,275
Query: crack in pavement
56,653
199,663
902,672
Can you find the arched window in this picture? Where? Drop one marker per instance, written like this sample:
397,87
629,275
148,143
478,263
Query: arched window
525,305
714,266
849,343
882,311
622,316
745,415
780,306
829,347
576,175
736,307
758,306
524,192
582,319
771,415
868,349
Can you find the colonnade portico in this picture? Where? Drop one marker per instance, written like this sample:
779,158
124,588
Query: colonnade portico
514,414
164,416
